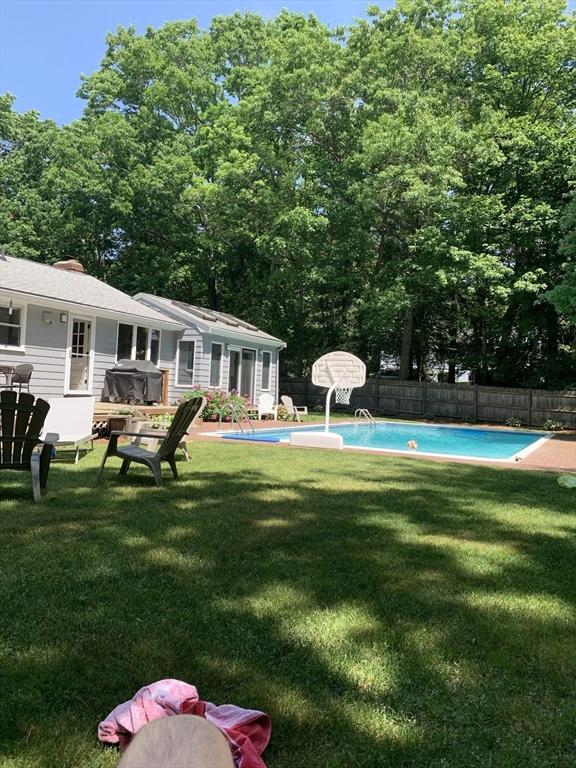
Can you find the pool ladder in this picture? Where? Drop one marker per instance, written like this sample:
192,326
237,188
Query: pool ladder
363,413
238,415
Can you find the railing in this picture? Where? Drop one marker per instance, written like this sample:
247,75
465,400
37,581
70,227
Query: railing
238,415
363,413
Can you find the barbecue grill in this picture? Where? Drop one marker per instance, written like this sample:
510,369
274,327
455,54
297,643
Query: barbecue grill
133,381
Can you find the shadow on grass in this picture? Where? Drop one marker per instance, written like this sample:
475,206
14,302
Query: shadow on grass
382,612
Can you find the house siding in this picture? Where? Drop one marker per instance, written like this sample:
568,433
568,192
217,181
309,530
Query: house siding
104,352
45,349
203,341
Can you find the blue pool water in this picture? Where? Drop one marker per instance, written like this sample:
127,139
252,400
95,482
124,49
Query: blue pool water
449,441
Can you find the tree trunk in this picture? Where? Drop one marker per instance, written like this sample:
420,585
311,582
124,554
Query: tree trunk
405,356
212,293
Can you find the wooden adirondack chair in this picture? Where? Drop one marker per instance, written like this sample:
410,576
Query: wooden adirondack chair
21,422
166,452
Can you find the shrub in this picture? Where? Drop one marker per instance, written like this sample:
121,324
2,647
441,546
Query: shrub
128,410
218,402
551,425
162,421
282,413
512,421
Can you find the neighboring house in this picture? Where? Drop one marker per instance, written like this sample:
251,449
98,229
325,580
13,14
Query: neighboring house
73,327
220,351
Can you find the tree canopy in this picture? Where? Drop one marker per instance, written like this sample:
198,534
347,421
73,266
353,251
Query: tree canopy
401,186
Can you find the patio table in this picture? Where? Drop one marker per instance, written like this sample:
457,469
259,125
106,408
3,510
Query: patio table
8,371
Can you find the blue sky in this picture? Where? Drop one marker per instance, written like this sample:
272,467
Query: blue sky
45,45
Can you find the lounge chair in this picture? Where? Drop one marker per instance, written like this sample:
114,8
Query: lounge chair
295,411
166,452
21,421
71,418
266,406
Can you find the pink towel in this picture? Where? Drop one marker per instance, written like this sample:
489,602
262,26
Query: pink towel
247,730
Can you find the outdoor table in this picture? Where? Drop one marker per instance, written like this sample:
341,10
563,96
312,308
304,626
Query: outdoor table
8,371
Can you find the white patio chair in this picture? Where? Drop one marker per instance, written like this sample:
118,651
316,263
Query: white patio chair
266,406
294,410
71,419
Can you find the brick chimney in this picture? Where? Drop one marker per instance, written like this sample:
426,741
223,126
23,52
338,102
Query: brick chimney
70,265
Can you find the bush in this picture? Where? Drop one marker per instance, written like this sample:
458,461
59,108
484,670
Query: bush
282,413
551,425
218,402
512,421
162,421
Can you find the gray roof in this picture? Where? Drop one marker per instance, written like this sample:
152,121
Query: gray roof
209,319
44,281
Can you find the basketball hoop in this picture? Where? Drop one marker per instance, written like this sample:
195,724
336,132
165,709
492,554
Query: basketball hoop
340,372
343,396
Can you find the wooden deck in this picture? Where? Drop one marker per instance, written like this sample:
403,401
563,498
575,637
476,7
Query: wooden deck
102,411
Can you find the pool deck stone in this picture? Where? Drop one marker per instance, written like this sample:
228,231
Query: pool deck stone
558,454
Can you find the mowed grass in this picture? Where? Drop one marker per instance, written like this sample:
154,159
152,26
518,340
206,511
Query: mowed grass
384,612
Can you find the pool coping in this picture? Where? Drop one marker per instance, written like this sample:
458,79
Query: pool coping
511,460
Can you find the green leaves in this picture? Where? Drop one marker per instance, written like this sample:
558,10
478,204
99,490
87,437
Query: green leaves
401,186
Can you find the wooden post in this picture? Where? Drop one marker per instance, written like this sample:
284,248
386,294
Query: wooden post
423,399
306,393
475,402
165,382
530,407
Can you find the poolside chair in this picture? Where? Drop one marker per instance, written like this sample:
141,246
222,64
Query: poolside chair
21,421
295,411
71,418
266,406
166,452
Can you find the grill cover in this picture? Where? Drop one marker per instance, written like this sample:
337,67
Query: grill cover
133,381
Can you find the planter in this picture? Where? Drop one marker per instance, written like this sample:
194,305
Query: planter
117,423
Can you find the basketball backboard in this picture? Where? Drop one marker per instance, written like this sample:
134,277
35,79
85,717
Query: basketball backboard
340,369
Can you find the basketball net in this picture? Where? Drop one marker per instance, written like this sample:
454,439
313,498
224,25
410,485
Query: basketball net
343,395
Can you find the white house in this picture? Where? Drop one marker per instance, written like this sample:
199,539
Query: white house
73,327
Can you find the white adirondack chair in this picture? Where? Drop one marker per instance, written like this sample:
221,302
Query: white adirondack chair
294,410
71,419
266,406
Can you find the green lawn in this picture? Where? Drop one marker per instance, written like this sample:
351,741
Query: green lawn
384,612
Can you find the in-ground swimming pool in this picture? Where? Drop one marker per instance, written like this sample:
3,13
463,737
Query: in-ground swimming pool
468,442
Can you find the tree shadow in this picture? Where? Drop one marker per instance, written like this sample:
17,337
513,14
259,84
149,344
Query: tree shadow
382,613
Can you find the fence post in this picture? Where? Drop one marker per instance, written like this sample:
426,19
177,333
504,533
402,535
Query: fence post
306,394
423,399
530,407
378,383
475,402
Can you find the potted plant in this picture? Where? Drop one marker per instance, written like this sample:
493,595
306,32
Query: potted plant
124,419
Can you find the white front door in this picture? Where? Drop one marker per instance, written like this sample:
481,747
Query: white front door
79,360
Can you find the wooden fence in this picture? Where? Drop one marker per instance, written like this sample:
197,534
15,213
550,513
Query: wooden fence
466,402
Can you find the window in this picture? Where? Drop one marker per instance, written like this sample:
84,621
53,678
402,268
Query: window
141,343
266,358
136,342
11,326
185,364
124,343
216,365
154,346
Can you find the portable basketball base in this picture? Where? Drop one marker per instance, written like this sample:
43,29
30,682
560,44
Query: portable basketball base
336,370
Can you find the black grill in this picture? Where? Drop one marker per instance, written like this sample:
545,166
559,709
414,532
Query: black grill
133,381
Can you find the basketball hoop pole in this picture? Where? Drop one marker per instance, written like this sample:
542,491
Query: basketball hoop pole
327,408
